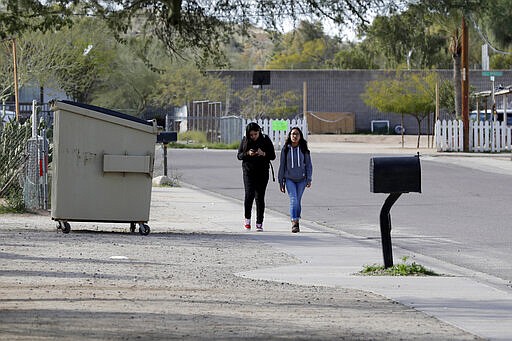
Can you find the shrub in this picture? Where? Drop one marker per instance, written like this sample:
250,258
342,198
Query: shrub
193,136
13,142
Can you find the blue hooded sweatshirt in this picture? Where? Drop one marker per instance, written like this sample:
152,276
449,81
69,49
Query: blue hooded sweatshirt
294,165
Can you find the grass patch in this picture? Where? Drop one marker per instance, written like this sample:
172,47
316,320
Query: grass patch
193,136
402,269
173,180
194,139
13,202
8,209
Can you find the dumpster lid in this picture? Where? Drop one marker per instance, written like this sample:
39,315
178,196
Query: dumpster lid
107,112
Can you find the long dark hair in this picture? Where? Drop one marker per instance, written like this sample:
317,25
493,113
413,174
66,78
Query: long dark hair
253,126
303,144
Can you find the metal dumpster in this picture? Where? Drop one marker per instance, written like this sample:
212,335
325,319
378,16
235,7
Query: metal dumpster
102,166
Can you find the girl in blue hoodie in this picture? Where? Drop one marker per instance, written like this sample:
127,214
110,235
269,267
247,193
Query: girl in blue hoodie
295,172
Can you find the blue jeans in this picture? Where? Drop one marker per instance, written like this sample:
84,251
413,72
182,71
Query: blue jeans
295,191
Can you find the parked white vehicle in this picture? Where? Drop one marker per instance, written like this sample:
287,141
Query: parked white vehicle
487,115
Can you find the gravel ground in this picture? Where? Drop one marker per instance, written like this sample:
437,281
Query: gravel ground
112,285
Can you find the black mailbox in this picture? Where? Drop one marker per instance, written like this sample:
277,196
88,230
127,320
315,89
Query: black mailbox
393,175
399,174
166,137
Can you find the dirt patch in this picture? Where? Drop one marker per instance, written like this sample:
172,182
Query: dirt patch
118,286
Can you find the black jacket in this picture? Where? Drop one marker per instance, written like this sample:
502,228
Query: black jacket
256,163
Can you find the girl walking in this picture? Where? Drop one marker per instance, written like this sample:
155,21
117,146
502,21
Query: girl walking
256,151
295,172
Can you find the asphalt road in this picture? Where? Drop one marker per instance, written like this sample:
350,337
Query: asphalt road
461,216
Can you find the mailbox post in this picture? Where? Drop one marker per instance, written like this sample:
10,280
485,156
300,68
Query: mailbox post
393,175
164,138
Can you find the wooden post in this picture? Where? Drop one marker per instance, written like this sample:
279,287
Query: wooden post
305,100
465,84
505,115
402,132
436,116
15,72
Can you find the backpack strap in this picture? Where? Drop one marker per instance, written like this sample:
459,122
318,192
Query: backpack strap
265,136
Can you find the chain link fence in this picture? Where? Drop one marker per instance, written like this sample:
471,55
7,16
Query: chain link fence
224,129
24,157
13,159
35,179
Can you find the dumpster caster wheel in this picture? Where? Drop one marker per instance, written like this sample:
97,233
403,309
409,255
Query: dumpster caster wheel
132,227
144,229
64,226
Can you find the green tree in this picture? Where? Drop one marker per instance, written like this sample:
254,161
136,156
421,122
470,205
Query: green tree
86,62
494,29
496,22
449,14
251,51
6,70
182,83
198,26
355,56
407,93
17,17
307,47
128,86
88,52
407,39
267,103
501,61
37,60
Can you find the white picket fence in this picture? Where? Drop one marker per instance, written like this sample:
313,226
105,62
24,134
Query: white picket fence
484,136
278,137
449,135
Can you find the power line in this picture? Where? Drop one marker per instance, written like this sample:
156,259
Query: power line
485,39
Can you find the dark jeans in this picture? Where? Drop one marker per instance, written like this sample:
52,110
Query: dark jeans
255,187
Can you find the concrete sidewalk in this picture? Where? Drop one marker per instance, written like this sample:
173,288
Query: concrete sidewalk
192,279
333,259
187,220
325,258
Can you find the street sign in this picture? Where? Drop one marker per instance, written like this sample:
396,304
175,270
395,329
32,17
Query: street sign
280,125
492,73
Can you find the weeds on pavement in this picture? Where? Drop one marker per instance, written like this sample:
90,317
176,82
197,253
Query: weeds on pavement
401,269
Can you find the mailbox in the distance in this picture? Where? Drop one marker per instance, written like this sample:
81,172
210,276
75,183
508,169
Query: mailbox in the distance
395,174
166,137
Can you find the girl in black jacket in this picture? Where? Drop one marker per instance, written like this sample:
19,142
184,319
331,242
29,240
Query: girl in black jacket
256,151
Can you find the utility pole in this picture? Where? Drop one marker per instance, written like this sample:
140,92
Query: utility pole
465,84
305,100
15,68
